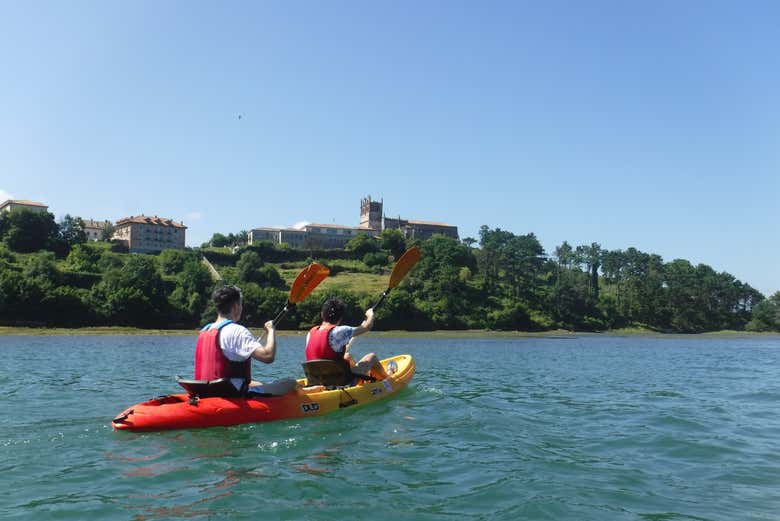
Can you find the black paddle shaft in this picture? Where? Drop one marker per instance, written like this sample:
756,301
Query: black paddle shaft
381,299
289,306
401,268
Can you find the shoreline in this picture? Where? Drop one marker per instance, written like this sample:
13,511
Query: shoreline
470,333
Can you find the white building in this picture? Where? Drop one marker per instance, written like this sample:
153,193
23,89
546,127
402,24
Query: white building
18,204
309,236
94,229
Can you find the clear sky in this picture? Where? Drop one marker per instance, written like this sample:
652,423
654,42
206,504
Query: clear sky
646,124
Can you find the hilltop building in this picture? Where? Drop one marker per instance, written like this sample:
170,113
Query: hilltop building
372,221
413,229
18,204
143,234
94,229
331,235
312,235
293,236
372,215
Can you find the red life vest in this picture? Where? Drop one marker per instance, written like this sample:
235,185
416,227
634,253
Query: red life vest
211,363
318,348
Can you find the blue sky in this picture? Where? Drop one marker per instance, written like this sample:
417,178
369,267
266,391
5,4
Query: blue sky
645,124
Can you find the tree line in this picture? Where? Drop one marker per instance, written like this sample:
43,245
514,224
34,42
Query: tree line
50,275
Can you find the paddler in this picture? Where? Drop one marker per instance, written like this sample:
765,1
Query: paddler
225,349
330,340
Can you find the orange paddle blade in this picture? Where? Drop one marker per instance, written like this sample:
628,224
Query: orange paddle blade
404,264
306,281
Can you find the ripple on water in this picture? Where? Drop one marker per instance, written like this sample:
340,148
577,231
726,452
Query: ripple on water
595,428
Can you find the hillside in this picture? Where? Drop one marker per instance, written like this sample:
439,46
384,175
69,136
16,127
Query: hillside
509,283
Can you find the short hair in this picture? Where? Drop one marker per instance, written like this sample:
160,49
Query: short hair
333,310
225,297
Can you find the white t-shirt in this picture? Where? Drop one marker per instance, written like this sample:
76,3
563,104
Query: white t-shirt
237,344
338,337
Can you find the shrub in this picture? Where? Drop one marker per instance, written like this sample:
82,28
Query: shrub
375,259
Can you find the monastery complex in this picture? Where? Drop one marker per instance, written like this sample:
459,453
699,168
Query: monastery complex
372,221
147,234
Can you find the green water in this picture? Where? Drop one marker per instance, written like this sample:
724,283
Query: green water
587,428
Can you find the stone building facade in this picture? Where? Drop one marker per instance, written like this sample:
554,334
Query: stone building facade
331,235
18,204
372,214
144,234
312,235
372,222
264,234
94,229
413,229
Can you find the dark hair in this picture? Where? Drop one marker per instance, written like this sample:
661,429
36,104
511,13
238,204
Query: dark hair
333,310
225,297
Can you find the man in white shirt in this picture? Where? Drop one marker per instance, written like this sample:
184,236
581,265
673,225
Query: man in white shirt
225,349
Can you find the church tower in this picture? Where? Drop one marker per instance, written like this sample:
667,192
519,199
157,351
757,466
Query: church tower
371,214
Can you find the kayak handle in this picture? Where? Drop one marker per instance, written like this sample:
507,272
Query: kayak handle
122,417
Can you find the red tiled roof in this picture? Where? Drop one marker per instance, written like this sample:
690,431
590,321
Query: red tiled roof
143,219
430,223
278,230
22,201
337,226
91,223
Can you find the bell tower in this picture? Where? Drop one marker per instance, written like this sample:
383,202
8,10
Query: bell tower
371,214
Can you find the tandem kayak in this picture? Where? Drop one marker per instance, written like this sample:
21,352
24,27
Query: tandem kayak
183,411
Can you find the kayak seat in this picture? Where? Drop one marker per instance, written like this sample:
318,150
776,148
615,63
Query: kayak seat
329,373
210,388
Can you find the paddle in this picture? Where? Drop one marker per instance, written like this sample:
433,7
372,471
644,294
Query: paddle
401,268
308,279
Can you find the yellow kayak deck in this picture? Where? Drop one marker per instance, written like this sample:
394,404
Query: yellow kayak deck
322,401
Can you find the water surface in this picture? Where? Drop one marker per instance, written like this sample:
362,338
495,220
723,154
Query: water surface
591,427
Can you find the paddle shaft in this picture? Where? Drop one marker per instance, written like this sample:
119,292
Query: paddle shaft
382,298
277,319
401,268
304,283
287,308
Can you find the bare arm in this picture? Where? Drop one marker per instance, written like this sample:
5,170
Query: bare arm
366,325
347,355
266,353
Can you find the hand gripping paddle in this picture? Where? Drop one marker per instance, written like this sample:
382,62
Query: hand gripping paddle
308,279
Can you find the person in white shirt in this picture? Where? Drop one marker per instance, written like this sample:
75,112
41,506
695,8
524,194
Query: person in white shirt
225,349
